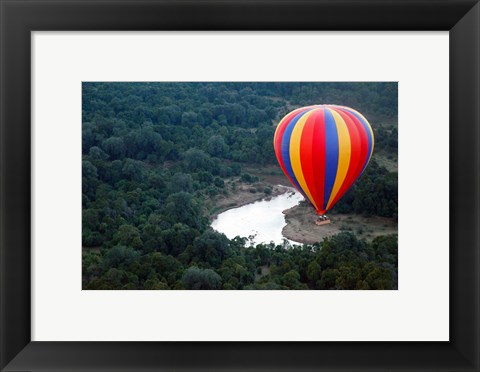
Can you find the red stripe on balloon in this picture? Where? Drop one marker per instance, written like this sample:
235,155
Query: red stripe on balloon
319,159
307,155
277,145
355,157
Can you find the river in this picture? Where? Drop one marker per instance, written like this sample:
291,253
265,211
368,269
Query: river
261,221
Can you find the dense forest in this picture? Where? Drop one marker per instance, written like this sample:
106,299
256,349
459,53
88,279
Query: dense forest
155,153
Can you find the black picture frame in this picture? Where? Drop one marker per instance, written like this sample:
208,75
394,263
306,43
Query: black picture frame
18,18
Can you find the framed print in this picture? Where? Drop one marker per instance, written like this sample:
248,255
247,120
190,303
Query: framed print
171,253
239,185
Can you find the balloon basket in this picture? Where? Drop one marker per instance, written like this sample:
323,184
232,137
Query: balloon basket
322,220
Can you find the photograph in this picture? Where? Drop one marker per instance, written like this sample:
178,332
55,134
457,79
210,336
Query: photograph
240,186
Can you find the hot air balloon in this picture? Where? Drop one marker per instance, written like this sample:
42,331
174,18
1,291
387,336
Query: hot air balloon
323,149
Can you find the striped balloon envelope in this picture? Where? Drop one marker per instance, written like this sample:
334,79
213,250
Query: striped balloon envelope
323,149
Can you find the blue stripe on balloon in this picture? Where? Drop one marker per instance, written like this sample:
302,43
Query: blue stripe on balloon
285,150
331,154
367,130
287,134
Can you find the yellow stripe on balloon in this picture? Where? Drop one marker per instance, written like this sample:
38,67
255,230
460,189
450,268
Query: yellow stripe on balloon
295,161
344,152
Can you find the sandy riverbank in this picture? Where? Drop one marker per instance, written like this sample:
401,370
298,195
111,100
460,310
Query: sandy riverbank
300,219
301,227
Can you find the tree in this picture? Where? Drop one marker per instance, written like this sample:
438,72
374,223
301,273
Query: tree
196,160
115,279
328,279
182,208
152,234
178,238
348,277
218,182
96,153
291,280
195,278
216,146
115,147
189,118
164,265
211,247
314,272
120,256
133,170
205,177
181,182
129,236
146,141
234,273
379,278
89,179
155,284
386,248
89,171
